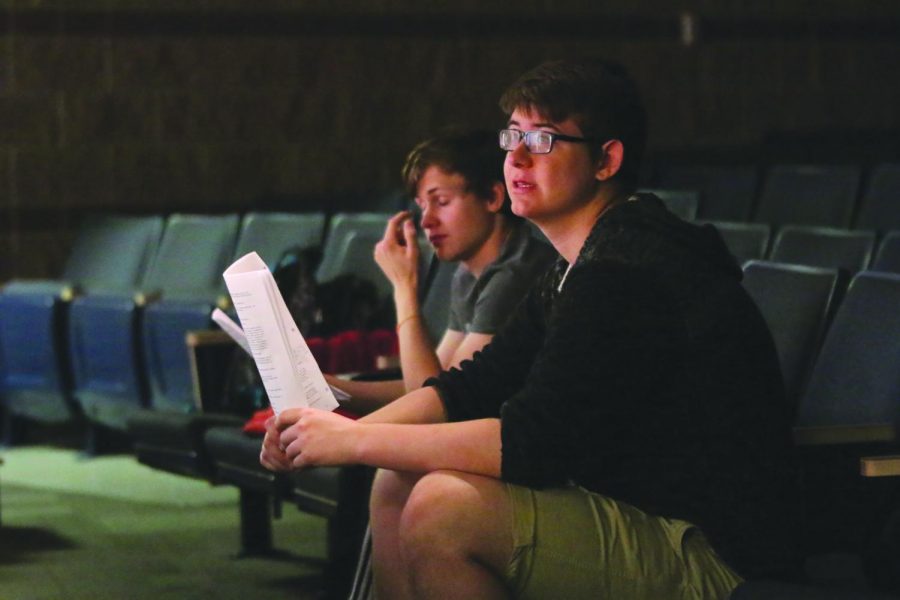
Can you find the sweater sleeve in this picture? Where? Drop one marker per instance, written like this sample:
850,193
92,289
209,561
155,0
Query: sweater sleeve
593,392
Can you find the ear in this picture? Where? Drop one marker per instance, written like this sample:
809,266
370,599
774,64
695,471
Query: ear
497,198
611,160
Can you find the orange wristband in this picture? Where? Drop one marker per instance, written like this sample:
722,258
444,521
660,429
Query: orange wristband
409,318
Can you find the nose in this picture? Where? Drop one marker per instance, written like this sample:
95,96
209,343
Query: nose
519,156
429,216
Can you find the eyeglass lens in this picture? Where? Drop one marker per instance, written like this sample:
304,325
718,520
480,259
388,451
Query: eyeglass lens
537,142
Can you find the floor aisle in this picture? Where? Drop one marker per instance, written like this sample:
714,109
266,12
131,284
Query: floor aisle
110,528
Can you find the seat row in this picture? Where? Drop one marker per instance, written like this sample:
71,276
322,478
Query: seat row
852,250
839,348
107,338
840,196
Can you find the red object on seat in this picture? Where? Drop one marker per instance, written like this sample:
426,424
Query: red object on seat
257,423
347,353
382,342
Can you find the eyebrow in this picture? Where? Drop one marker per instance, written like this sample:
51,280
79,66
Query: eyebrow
541,124
434,190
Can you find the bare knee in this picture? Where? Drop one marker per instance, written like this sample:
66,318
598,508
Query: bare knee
390,490
439,515
455,531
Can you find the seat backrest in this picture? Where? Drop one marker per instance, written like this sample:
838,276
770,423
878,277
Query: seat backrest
726,191
165,323
746,241
194,252
880,205
270,234
112,253
808,195
856,379
349,248
683,203
796,303
391,201
888,257
850,250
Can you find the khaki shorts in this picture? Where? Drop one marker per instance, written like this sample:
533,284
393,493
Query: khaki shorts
570,543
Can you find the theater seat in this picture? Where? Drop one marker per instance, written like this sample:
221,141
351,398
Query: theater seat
168,435
797,303
808,195
110,254
726,191
880,205
850,250
746,241
854,390
888,257
850,410
683,203
349,246
105,329
167,322
176,443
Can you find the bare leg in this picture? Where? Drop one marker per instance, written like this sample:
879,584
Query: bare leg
455,536
390,492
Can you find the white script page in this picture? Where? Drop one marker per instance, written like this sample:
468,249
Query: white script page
237,334
286,366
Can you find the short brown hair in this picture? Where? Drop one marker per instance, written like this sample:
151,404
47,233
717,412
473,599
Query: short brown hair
598,95
473,154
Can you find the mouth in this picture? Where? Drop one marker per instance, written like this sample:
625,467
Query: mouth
436,240
520,185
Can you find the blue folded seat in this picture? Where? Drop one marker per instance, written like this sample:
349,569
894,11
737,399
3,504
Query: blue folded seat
168,434
105,328
110,255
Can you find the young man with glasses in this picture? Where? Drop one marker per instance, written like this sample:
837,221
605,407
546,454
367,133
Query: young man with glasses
625,435
457,182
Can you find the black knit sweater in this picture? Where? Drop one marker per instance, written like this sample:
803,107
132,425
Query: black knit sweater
652,379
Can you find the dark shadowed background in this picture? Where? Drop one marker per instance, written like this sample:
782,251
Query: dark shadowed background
227,105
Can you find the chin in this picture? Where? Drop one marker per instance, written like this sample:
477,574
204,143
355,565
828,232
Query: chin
520,209
444,255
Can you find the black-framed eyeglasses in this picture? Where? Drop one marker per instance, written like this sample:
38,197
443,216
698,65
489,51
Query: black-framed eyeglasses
537,142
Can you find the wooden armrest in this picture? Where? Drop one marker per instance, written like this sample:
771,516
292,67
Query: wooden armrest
879,466
209,353
207,337
844,434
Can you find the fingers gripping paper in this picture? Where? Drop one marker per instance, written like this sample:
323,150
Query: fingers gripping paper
286,366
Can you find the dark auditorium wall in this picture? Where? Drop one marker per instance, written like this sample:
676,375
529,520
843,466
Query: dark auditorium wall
228,105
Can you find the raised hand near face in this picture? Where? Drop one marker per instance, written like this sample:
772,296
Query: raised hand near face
397,254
